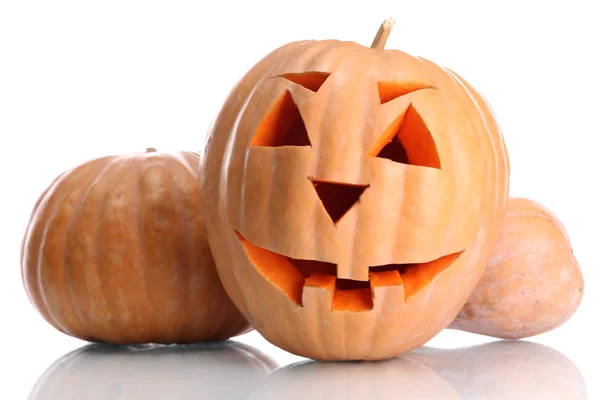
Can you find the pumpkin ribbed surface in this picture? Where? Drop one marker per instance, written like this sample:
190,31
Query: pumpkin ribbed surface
353,196
116,251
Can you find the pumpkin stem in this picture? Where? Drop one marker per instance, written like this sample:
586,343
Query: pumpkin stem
150,150
383,33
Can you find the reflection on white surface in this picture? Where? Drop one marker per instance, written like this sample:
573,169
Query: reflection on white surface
513,370
397,378
499,370
226,370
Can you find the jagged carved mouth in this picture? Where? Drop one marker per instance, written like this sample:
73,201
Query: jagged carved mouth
291,276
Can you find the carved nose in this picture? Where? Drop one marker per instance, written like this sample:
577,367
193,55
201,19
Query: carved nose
337,198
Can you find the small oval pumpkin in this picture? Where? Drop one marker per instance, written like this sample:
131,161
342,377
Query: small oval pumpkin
353,196
532,283
116,251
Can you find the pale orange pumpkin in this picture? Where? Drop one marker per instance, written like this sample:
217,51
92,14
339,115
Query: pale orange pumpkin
353,196
116,251
532,283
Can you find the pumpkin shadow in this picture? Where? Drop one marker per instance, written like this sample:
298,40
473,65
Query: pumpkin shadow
208,370
499,370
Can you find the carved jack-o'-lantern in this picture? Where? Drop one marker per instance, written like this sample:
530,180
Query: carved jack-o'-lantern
353,196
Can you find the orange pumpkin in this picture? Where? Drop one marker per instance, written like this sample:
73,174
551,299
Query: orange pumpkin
353,196
532,283
116,251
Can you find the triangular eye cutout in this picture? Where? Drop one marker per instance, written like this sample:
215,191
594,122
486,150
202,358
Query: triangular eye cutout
408,141
337,198
390,90
311,80
282,126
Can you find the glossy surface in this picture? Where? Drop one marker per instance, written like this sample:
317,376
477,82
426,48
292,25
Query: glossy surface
211,371
501,370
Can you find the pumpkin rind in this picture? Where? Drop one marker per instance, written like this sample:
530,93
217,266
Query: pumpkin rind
116,251
532,282
408,214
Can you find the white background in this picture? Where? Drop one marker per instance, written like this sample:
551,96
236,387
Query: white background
82,79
